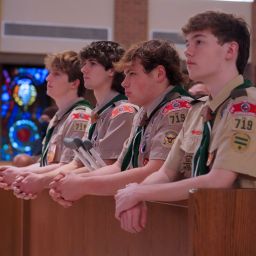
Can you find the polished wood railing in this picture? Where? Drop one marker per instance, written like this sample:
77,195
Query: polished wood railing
212,222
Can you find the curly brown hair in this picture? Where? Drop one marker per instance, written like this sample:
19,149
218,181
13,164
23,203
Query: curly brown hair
153,53
106,53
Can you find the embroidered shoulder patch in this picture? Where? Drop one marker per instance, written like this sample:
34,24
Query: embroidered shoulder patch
169,138
79,126
244,123
175,105
81,116
240,142
122,109
243,107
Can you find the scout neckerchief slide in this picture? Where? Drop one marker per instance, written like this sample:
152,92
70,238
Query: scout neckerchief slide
199,163
97,115
43,159
132,153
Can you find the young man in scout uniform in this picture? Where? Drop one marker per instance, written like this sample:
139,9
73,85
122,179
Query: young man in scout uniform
152,81
216,146
66,86
111,119
23,159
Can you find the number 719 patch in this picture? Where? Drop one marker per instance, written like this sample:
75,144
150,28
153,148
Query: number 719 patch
176,118
79,126
243,123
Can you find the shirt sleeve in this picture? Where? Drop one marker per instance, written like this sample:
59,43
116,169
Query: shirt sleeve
167,130
76,126
237,140
110,146
175,156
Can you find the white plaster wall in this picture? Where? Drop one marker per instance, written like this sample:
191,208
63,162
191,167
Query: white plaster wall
78,13
171,15
164,15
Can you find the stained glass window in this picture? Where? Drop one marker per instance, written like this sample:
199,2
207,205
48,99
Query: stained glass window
23,98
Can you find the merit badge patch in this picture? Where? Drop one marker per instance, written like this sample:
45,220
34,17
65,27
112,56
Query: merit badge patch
122,109
176,105
240,142
169,138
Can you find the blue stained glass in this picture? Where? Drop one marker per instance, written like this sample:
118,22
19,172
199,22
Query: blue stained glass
5,96
23,98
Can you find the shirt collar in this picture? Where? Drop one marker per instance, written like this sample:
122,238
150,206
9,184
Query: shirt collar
108,98
150,108
61,112
215,102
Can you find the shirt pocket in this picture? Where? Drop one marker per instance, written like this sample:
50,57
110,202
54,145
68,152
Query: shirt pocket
191,142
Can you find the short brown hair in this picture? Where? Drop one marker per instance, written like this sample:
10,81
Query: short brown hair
227,28
68,63
153,53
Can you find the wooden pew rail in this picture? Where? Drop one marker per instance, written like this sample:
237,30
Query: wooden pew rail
212,222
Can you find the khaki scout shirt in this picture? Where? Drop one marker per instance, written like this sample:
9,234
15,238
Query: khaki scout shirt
233,137
73,124
187,142
112,128
161,131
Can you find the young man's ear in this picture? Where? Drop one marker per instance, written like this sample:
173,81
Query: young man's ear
111,72
75,84
232,50
160,73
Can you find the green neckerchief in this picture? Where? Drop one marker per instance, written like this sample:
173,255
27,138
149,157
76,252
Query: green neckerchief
199,166
109,104
43,160
132,153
